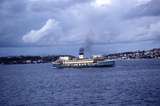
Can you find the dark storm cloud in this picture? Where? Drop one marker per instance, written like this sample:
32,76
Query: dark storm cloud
53,5
20,16
10,11
85,22
9,8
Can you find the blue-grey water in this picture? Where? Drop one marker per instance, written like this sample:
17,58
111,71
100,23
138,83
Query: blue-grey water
129,83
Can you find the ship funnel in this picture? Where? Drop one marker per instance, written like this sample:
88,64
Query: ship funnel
81,53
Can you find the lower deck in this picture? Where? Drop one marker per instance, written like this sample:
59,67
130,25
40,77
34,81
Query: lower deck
82,65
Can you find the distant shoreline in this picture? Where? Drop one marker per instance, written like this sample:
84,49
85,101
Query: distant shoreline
145,54
129,60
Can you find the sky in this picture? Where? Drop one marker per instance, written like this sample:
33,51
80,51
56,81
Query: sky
41,27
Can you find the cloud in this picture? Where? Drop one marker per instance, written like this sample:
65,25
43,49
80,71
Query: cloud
53,5
35,35
142,2
147,8
78,21
83,22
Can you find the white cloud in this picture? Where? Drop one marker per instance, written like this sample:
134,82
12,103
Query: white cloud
83,21
35,35
101,3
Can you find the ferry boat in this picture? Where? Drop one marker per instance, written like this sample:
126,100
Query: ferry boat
82,62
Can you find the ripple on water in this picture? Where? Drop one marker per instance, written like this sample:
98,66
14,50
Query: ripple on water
129,83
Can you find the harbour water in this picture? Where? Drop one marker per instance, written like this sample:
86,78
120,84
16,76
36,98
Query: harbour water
129,83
